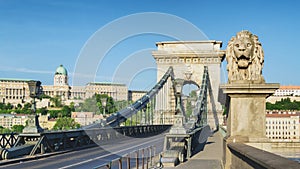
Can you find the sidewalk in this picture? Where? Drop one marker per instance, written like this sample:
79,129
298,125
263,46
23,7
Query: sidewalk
209,158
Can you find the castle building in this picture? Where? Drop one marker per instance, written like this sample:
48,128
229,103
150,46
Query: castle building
16,91
134,95
60,84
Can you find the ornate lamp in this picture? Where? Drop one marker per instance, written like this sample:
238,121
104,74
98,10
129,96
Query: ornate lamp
104,102
178,91
179,119
35,90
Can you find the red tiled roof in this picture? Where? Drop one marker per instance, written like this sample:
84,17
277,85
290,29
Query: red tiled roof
281,115
289,87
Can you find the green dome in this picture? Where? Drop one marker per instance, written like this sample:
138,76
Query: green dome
61,71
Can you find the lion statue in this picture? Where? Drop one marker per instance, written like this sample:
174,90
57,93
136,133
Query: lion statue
245,58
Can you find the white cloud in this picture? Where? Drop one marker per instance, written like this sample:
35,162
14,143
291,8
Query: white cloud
24,70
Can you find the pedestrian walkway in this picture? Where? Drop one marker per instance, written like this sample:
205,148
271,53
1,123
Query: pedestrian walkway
209,158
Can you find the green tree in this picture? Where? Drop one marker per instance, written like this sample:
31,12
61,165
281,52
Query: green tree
9,106
17,128
19,106
193,94
66,123
89,105
283,104
56,101
4,130
42,111
72,106
66,111
53,113
189,108
110,104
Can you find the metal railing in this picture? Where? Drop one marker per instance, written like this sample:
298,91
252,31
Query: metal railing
46,142
8,140
142,158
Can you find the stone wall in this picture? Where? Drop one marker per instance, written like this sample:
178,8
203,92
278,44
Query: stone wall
247,157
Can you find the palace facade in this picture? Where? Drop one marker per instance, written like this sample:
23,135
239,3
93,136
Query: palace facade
16,91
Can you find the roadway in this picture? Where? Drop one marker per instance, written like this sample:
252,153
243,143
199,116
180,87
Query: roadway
91,157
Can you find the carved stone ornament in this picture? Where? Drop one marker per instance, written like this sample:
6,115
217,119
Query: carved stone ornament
245,58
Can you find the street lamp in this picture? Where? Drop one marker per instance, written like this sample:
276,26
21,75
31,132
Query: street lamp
179,119
104,102
35,90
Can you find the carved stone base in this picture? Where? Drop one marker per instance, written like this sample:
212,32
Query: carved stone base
178,127
247,119
33,125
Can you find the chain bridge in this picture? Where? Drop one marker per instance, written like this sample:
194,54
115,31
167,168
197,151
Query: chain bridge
165,136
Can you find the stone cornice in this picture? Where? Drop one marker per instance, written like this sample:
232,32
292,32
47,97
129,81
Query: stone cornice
249,88
197,54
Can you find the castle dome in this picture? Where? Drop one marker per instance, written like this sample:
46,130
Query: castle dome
61,70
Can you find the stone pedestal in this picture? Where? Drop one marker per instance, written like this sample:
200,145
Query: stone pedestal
247,119
33,125
178,127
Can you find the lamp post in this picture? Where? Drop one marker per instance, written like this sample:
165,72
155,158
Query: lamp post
179,119
33,126
104,102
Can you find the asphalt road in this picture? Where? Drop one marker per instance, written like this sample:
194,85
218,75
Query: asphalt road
91,157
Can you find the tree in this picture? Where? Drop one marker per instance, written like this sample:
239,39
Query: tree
4,130
193,94
110,104
17,128
56,101
72,106
189,108
42,111
66,111
66,123
89,105
19,106
283,104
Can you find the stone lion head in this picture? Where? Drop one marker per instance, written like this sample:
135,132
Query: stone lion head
245,58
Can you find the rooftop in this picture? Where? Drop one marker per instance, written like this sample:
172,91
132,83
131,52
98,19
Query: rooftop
289,87
106,84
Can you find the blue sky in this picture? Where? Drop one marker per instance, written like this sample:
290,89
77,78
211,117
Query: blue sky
37,36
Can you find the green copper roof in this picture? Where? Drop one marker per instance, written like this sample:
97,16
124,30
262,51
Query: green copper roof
61,70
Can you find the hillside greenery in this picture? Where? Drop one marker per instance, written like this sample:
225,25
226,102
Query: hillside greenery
284,104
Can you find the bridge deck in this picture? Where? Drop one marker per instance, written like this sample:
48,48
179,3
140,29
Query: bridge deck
210,157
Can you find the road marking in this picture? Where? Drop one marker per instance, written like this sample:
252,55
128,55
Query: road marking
89,160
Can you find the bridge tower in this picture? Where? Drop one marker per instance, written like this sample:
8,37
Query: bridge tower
188,59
